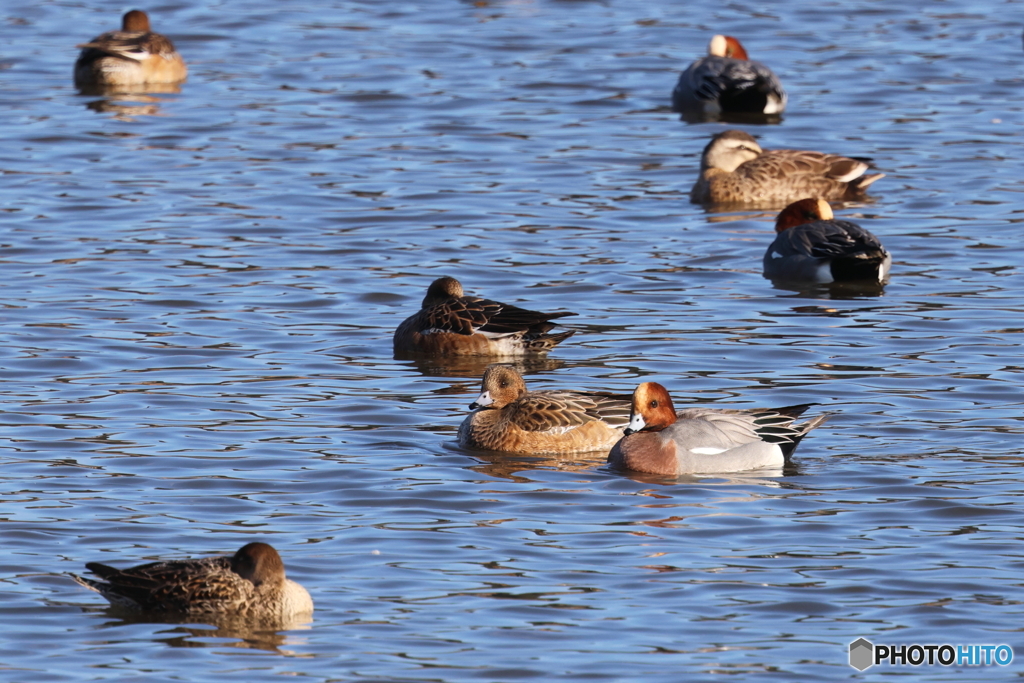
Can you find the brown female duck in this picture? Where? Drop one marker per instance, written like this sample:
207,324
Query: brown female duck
735,170
507,417
251,583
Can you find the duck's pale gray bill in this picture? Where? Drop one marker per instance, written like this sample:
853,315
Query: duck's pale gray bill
482,401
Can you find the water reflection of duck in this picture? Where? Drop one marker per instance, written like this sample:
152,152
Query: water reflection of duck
452,324
220,631
251,583
735,170
727,81
704,440
813,247
133,56
507,417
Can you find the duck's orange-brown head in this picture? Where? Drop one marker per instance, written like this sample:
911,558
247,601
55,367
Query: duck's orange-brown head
803,211
652,409
135,21
726,46
501,385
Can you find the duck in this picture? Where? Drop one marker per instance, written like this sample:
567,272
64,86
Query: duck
811,246
661,441
727,81
133,56
251,583
449,323
735,170
507,417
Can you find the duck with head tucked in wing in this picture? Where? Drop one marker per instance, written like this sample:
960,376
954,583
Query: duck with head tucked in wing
812,246
251,583
703,440
726,81
449,323
735,170
133,56
507,417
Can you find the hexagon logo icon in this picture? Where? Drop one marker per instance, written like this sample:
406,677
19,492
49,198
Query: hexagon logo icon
862,654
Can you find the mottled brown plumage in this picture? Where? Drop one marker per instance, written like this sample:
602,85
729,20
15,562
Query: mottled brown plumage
507,417
133,56
735,170
251,583
452,324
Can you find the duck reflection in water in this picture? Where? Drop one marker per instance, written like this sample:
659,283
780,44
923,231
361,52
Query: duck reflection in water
227,631
475,366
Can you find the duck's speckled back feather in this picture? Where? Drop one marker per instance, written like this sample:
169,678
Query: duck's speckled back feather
185,586
544,410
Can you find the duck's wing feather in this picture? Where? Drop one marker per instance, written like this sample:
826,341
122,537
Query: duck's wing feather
469,315
128,45
181,585
740,426
464,315
779,164
826,239
509,319
545,410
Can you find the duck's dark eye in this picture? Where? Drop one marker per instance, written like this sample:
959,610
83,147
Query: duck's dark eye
654,403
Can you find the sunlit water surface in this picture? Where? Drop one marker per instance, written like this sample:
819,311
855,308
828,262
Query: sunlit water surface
199,291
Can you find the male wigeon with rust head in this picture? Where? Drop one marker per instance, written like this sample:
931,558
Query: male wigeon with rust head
701,440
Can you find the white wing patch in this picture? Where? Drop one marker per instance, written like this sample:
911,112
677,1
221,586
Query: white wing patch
707,450
776,254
